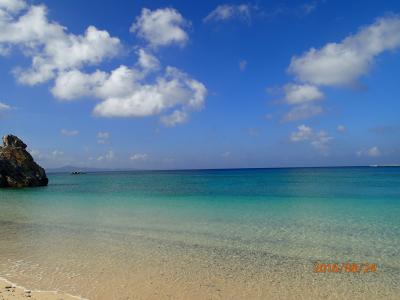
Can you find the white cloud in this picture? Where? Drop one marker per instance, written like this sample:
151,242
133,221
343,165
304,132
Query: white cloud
301,96
172,89
4,107
69,132
161,27
76,84
303,133
301,93
139,157
302,112
371,152
343,63
49,45
226,12
144,89
125,94
12,6
108,156
319,140
341,128
103,135
337,64
242,65
177,117
147,61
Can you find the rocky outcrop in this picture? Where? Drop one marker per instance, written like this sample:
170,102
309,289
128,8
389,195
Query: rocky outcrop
17,167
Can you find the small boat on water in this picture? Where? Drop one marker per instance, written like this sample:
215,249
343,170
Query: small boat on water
77,173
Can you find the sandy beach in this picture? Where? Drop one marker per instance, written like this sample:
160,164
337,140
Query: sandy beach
11,291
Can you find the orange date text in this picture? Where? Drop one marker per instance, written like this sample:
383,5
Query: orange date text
345,267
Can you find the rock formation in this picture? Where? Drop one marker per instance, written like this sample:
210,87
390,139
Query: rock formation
17,167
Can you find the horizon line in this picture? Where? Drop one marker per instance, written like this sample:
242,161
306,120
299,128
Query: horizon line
100,170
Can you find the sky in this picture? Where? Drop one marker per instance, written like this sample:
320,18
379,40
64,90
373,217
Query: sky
202,84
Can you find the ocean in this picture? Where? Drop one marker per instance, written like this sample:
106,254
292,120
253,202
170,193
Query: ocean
206,234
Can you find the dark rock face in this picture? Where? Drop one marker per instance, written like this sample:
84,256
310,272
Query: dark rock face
17,167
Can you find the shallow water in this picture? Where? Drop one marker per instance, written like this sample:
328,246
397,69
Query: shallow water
226,234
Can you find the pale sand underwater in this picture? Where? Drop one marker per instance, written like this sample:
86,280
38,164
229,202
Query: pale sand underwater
244,234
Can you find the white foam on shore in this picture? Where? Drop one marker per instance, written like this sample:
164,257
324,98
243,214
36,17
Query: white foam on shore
40,291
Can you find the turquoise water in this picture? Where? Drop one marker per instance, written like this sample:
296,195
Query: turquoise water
259,231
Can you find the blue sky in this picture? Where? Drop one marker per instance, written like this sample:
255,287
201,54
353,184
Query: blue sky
213,84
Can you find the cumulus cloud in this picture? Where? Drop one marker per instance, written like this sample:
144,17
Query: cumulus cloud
337,64
319,140
124,93
147,61
227,12
139,157
51,48
12,6
174,118
161,27
145,89
67,132
343,63
172,89
301,93
300,98
371,152
302,112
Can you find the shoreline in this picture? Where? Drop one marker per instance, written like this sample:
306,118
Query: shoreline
11,291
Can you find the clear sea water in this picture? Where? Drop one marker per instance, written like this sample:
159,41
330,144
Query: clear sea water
207,234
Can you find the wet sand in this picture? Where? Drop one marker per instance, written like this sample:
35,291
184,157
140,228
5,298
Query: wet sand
10,291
